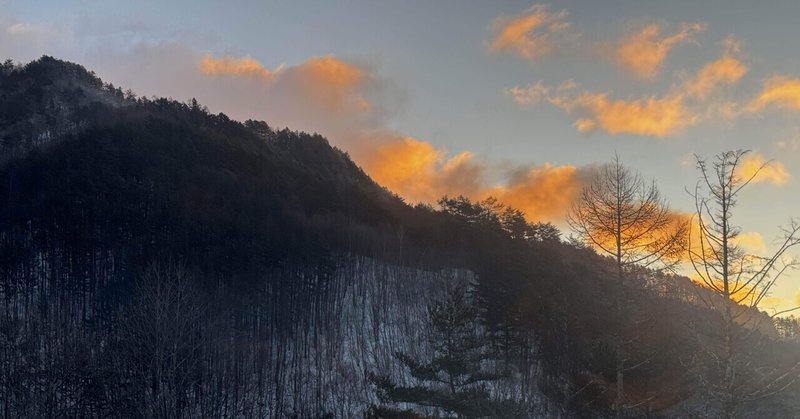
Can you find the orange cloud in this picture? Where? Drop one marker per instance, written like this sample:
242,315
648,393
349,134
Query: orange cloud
751,242
754,164
542,193
529,35
246,66
652,116
419,172
331,84
728,69
643,52
780,91
332,94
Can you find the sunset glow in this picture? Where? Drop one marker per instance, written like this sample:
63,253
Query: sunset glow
519,102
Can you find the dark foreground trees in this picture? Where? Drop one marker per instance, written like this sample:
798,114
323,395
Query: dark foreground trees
622,216
736,373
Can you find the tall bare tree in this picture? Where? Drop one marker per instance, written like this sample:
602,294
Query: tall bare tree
623,216
163,334
738,282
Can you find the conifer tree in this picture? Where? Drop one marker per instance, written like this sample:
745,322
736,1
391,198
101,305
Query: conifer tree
455,379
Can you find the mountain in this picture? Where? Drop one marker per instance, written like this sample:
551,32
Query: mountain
158,260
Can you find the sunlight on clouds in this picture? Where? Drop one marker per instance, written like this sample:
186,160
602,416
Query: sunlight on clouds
541,192
332,82
643,52
765,171
751,242
420,172
529,35
780,91
332,92
649,116
684,105
246,66
652,116
728,69
329,82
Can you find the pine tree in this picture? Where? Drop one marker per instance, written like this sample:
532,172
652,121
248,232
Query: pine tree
455,379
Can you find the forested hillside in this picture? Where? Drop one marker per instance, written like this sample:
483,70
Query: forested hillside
157,260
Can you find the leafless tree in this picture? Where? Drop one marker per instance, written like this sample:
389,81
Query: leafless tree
738,282
621,215
163,335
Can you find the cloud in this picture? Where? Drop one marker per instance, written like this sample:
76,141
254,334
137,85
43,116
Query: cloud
327,83
728,69
644,51
780,91
528,95
335,94
419,172
345,100
542,192
23,41
792,144
246,66
650,116
764,171
751,242
531,35
685,104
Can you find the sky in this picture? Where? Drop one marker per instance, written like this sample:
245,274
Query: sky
515,99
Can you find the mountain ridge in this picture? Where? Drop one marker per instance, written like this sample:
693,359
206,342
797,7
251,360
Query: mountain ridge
122,182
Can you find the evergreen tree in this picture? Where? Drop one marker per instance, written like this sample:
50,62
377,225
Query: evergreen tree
455,379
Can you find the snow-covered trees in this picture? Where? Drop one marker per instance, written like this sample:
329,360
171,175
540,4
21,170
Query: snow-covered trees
455,379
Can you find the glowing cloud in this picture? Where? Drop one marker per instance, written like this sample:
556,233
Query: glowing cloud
751,242
529,35
728,69
780,91
419,172
543,193
234,66
765,171
643,52
328,82
333,94
652,116
331,82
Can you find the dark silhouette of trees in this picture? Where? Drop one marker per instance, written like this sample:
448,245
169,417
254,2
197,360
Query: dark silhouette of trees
162,336
622,216
738,282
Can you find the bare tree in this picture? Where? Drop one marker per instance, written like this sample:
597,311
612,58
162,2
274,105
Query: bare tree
623,216
738,282
163,336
